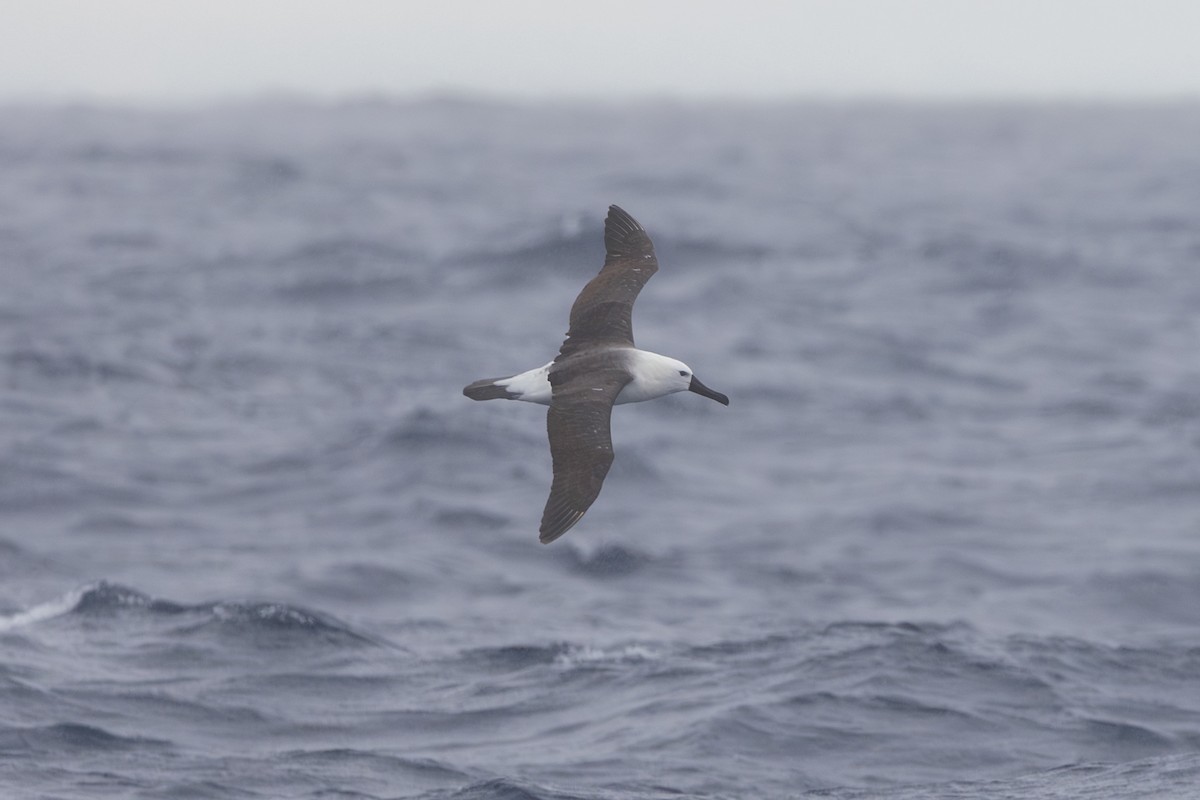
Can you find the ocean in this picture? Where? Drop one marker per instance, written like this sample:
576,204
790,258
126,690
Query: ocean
943,543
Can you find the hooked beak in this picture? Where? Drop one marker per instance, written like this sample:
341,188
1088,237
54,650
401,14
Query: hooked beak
700,389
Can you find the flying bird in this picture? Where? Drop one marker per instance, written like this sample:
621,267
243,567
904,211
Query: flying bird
597,366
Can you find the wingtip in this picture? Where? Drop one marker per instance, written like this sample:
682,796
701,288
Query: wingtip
552,529
620,217
623,235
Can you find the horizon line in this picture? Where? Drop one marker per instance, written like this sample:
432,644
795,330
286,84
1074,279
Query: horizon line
452,95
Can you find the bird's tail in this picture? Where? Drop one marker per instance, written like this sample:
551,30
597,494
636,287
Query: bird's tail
487,389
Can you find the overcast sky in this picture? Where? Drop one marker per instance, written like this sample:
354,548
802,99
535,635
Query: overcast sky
184,51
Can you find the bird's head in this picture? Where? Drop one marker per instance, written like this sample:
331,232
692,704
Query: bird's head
683,380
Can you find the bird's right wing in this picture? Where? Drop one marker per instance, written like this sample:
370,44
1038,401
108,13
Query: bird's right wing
580,444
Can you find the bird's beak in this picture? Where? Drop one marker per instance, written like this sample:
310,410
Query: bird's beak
699,388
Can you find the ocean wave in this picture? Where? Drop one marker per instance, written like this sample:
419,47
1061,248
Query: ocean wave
1066,697
1162,778
373,760
263,623
379,769
104,598
513,657
563,655
589,657
1127,739
40,612
505,789
69,737
275,625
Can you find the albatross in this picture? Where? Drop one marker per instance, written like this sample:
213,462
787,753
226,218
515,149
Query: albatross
597,366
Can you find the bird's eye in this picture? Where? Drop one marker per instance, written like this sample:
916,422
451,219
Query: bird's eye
683,373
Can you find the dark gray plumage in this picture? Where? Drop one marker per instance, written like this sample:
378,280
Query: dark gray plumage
596,367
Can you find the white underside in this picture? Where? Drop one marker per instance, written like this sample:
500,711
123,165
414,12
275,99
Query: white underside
653,376
532,386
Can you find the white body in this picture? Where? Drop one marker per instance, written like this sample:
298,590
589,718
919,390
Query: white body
653,376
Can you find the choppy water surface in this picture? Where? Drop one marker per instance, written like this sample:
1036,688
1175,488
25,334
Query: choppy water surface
943,543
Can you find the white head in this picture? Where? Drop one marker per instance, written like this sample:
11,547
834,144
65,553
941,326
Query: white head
678,377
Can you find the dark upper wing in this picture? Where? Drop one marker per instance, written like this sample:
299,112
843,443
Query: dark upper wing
603,312
580,442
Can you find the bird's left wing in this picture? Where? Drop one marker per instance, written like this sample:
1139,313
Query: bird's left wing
603,311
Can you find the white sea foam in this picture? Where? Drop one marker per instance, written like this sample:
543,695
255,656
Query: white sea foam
42,611
620,654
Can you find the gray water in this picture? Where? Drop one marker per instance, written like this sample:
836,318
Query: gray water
943,543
